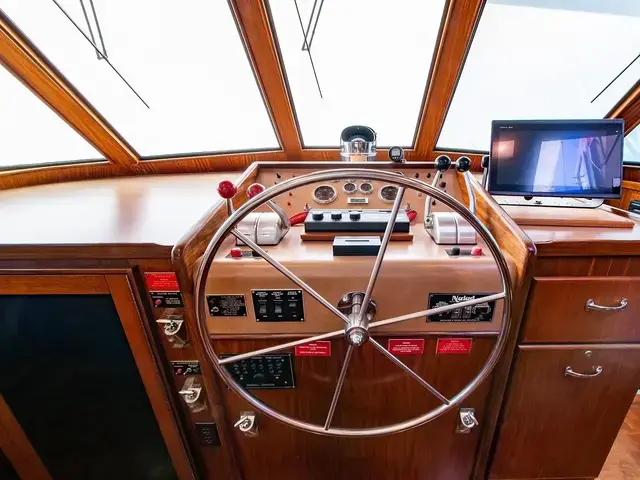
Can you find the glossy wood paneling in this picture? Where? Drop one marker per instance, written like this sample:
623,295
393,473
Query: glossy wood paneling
522,251
456,35
121,291
556,310
544,436
258,35
17,447
623,462
375,392
30,67
588,266
632,173
125,217
630,191
628,108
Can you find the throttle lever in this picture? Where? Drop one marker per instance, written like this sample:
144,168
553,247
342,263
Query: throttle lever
256,189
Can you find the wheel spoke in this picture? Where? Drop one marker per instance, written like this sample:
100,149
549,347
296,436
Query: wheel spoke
433,311
420,380
383,248
276,348
336,393
289,274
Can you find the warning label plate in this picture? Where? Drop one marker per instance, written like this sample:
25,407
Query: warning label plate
314,349
161,281
227,305
406,346
453,346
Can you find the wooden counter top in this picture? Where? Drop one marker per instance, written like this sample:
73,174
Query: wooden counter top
147,214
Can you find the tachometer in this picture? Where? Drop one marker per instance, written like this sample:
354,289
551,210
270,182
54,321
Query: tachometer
324,194
388,193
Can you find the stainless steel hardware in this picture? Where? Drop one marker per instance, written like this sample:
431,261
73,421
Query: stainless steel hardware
172,329
192,395
467,420
247,424
592,306
568,372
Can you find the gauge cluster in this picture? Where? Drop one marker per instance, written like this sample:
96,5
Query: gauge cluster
326,193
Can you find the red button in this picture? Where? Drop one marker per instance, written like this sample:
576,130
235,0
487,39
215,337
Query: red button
476,251
236,252
158,302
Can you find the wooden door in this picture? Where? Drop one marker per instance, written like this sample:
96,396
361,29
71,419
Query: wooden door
559,426
83,396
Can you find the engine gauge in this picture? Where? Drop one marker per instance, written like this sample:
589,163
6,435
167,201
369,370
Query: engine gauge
324,194
388,193
349,188
366,188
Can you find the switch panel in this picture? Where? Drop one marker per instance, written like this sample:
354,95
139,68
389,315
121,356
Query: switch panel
208,434
278,305
272,371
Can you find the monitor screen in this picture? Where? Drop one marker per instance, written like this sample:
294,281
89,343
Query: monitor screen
559,158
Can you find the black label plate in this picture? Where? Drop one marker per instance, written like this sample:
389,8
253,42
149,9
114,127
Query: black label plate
227,305
263,372
166,299
278,305
186,367
482,312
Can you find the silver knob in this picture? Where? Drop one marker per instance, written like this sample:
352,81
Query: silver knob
247,424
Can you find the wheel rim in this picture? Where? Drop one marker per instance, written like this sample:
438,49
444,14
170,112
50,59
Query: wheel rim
228,227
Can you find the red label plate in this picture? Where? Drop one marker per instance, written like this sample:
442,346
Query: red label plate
406,346
314,349
162,282
453,346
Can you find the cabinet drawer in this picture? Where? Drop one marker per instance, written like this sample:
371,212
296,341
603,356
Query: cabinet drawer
558,311
559,426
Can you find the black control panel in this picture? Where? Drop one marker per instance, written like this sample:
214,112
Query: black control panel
354,220
271,371
278,305
481,312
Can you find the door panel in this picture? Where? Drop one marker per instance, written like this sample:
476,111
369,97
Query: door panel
376,392
83,384
557,426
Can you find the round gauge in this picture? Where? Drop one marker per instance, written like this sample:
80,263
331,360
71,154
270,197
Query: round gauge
388,193
366,188
349,188
324,194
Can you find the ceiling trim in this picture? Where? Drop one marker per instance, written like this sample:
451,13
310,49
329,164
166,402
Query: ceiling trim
257,35
28,66
456,35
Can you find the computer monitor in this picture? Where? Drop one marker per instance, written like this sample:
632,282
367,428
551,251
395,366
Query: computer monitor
556,158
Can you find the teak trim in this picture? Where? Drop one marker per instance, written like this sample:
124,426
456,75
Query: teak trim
257,34
628,109
29,66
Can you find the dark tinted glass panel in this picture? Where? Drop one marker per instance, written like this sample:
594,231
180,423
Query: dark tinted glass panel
72,383
6,469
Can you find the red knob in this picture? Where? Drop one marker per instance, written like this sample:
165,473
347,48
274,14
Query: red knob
255,189
236,252
226,189
476,251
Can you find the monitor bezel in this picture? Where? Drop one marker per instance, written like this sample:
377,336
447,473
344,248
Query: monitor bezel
495,124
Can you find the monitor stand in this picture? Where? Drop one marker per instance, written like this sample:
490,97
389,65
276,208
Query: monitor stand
565,202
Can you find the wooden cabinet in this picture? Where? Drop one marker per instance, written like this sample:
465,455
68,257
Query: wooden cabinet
558,426
81,395
558,311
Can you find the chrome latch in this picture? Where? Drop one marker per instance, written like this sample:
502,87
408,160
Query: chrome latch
172,329
192,395
467,420
247,424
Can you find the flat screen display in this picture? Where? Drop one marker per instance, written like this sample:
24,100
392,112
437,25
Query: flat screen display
556,158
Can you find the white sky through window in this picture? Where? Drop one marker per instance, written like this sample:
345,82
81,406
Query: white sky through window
32,133
372,58
543,59
184,59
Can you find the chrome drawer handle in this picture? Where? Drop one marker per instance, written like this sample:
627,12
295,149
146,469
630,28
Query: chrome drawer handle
568,372
591,305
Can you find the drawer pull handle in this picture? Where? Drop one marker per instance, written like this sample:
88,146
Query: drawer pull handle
591,306
568,372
